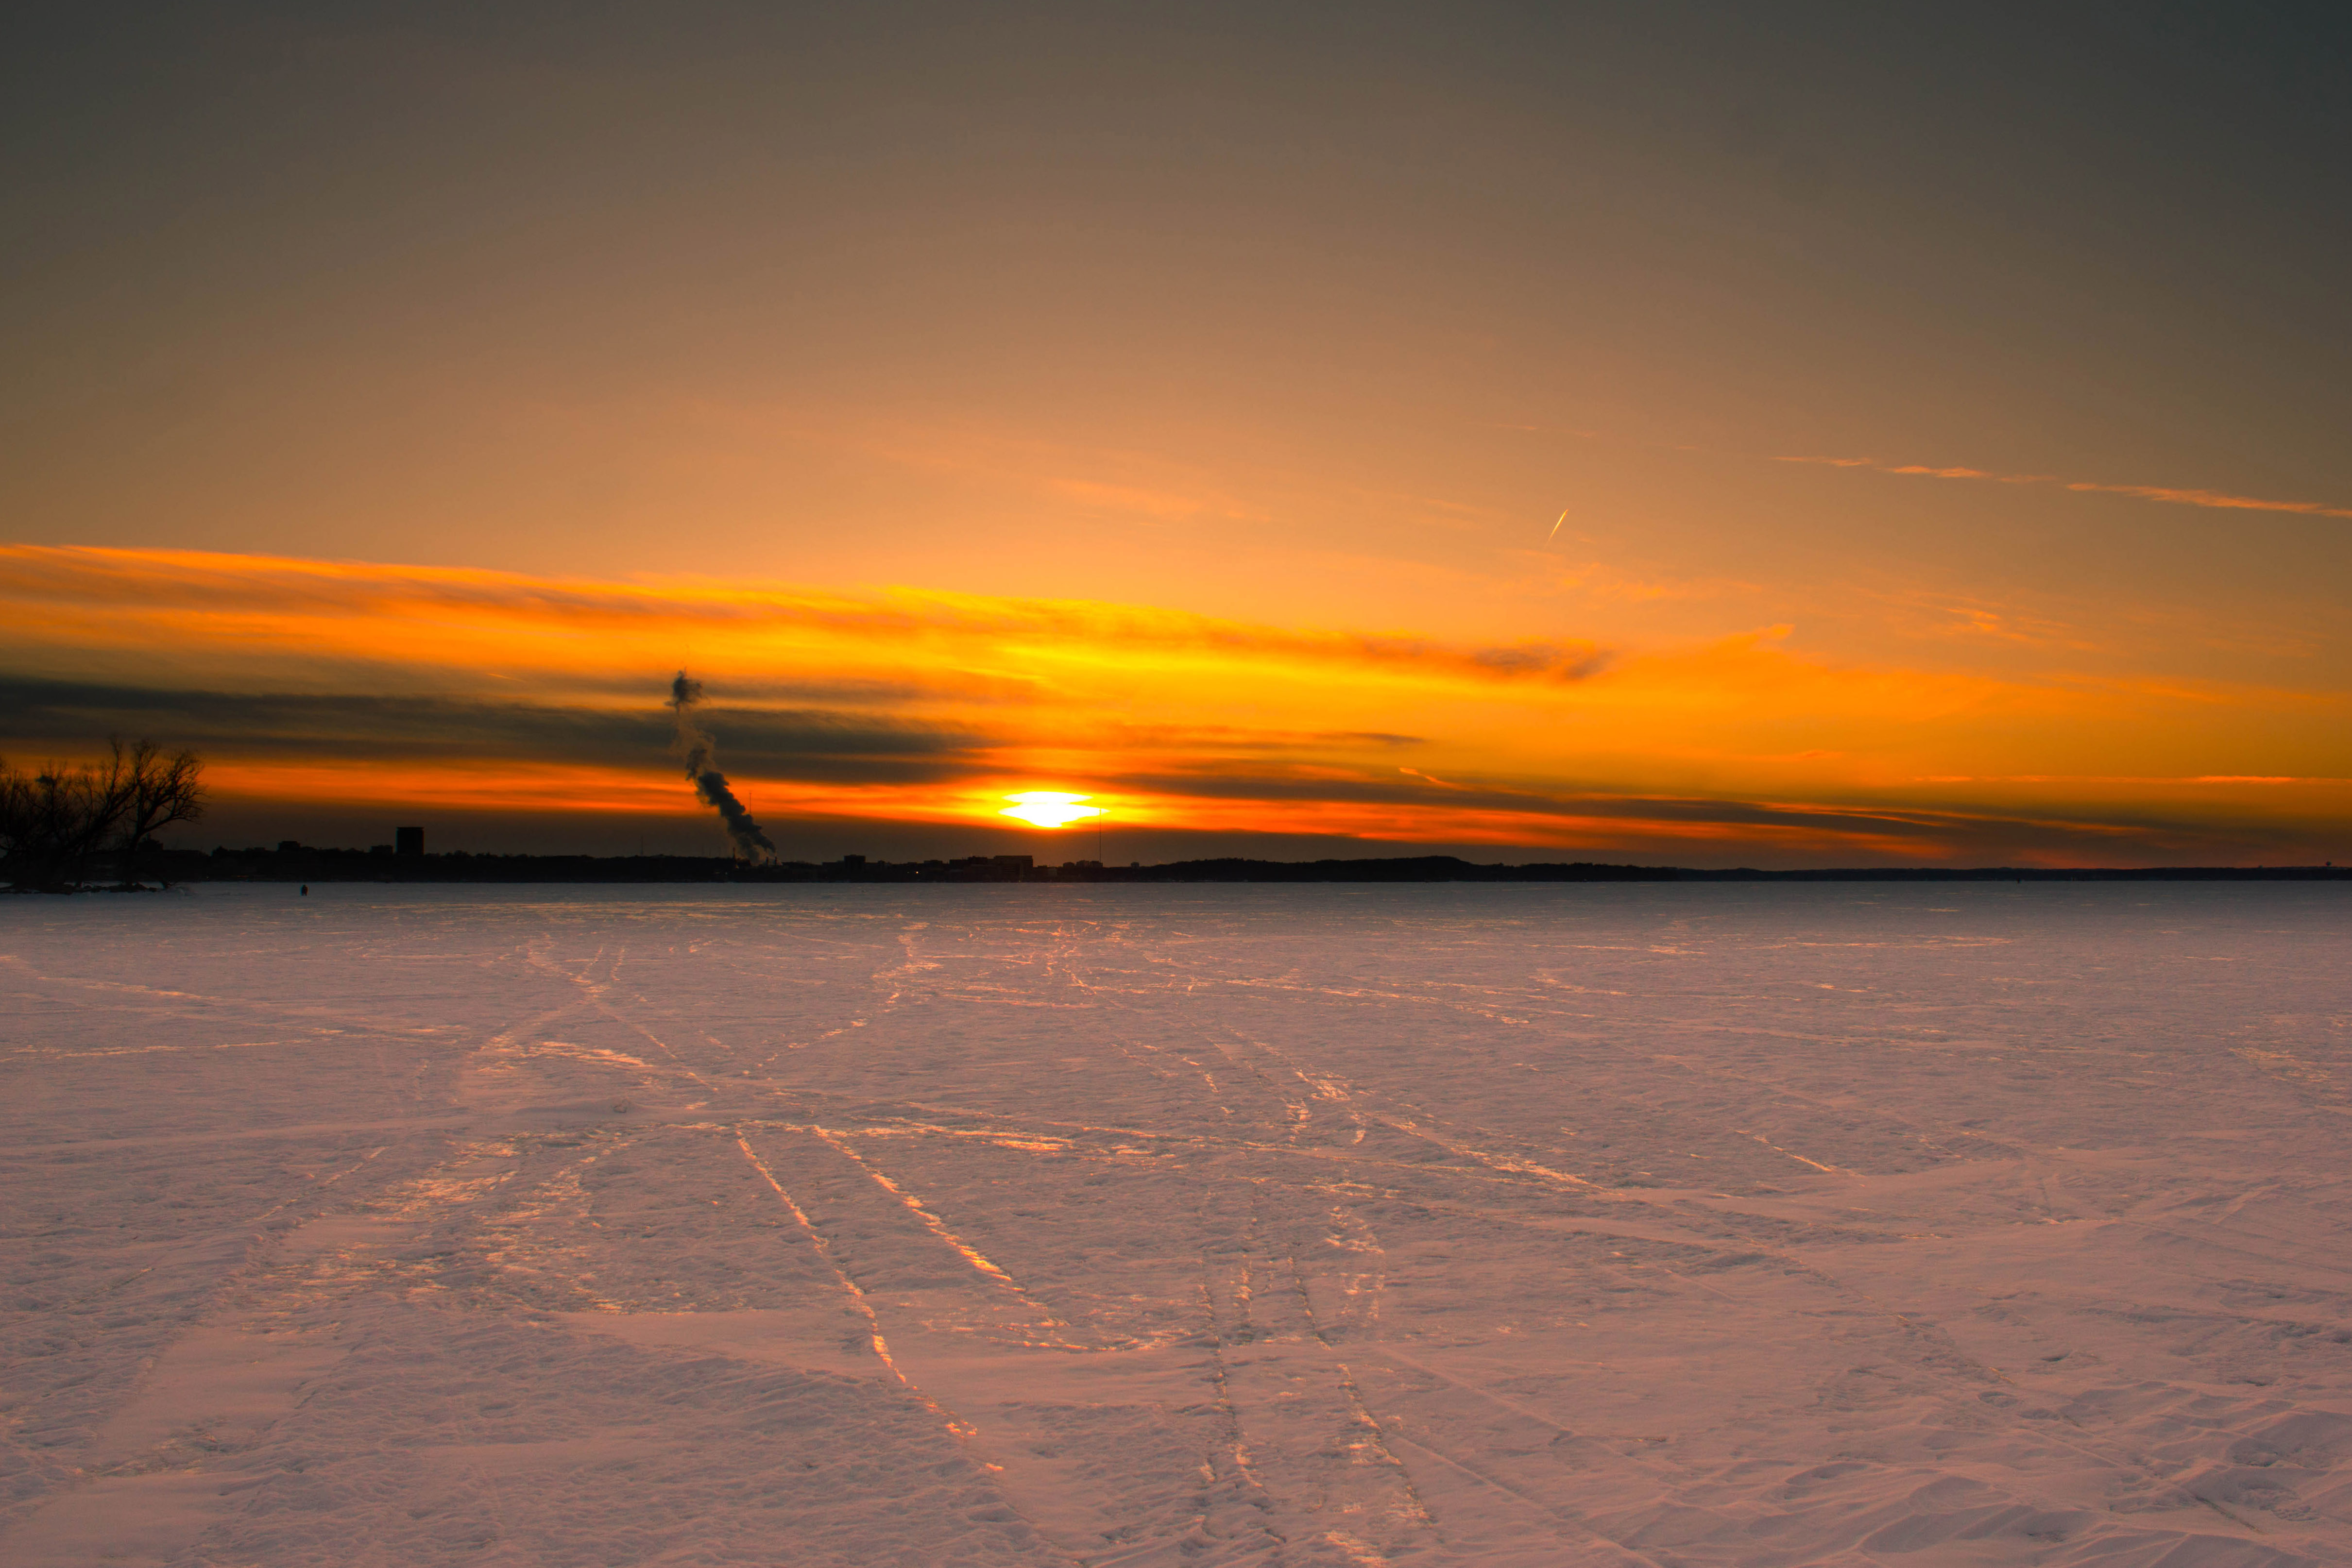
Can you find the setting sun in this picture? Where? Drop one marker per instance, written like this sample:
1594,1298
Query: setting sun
1049,808
1722,633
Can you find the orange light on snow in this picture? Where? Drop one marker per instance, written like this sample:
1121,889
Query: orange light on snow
1049,808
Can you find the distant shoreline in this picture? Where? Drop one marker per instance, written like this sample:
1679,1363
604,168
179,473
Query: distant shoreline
306,865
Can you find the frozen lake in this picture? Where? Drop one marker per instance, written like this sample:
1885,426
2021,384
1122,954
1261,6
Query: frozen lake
1712,1224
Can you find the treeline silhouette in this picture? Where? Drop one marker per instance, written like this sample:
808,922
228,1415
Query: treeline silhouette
62,825
292,862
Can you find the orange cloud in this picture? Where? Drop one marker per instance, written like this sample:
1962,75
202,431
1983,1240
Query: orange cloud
448,616
350,681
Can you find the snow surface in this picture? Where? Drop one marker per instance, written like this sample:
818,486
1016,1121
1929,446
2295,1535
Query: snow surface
1716,1225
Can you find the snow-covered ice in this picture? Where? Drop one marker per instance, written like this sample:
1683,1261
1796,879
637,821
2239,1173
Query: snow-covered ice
1649,1225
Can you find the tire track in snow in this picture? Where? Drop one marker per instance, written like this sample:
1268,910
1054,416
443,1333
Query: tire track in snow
881,1347
982,1265
1933,1350
1343,1486
1498,1168
1352,1482
985,1442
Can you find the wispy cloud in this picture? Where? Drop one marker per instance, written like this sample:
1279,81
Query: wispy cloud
439,613
2177,497
1599,580
2183,495
2214,498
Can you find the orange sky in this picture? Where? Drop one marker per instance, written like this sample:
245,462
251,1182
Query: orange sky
394,690
1665,434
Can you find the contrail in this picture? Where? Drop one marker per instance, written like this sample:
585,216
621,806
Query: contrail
701,754
1555,527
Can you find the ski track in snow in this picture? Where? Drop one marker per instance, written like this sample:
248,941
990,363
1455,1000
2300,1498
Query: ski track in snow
1666,1227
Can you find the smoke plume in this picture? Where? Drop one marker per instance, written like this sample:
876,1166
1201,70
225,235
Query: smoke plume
701,754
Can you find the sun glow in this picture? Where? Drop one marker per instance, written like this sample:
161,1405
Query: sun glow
1208,726
1049,808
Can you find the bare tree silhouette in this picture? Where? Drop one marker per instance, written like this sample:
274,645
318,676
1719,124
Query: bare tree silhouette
57,822
164,790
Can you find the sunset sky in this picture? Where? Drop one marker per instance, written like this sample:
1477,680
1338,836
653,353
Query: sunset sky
1698,434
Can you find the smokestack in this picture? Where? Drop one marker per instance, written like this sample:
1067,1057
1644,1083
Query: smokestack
701,756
